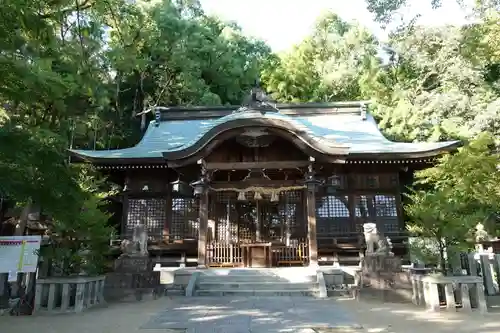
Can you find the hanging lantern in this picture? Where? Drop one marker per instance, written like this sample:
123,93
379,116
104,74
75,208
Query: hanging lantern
275,197
181,187
241,196
199,186
335,181
311,182
257,196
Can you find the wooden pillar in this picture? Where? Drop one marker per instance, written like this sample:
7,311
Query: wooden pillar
202,230
311,228
168,211
124,215
258,227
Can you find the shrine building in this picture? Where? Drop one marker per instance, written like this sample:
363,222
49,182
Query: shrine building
264,185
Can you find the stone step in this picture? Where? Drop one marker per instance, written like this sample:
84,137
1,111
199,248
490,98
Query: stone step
260,285
254,278
263,293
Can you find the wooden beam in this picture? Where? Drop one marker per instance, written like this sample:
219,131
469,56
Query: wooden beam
257,183
255,165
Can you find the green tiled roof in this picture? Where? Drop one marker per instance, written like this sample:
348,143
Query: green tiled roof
360,134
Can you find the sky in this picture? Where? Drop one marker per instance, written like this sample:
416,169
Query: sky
283,23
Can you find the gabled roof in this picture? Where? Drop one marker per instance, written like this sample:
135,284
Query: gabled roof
329,129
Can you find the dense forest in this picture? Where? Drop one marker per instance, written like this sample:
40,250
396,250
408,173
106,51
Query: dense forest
75,73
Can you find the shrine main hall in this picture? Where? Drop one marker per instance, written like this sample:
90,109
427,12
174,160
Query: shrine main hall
263,185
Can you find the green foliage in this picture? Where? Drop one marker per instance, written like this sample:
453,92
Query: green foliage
329,65
385,10
452,197
33,168
80,243
75,74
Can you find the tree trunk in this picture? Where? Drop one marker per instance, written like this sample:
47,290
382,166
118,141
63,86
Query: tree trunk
442,257
23,220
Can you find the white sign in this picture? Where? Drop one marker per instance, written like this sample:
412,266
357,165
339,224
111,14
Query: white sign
19,254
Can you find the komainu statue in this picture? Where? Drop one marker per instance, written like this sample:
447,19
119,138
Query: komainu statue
128,247
376,243
139,243
140,236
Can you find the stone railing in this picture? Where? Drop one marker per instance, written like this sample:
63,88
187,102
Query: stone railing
487,265
71,294
465,291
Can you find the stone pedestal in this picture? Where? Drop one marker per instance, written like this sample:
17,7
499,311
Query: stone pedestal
133,275
382,277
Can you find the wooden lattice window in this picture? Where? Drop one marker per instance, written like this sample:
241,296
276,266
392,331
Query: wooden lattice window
185,222
151,211
332,215
291,210
222,217
381,209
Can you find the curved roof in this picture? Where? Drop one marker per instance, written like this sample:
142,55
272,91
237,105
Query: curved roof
356,133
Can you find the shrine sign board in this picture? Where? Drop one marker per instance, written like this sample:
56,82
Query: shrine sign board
19,254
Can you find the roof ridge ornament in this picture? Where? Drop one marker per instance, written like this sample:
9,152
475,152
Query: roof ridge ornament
257,100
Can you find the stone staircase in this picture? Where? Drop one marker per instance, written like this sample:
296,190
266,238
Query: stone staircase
257,282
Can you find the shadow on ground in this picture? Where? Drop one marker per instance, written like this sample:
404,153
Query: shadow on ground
406,318
251,314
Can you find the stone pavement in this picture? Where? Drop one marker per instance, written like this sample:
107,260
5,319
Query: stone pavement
253,315
250,314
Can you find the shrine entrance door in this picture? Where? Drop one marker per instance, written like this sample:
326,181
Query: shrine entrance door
259,233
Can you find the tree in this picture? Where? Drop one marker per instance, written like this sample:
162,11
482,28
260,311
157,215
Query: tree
75,74
435,90
459,192
328,65
384,10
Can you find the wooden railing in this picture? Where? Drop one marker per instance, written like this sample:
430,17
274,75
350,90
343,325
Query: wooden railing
221,254
295,253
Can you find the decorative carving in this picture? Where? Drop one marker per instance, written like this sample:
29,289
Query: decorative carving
255,138
257,100
375,242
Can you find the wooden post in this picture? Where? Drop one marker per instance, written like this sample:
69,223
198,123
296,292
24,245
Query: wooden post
258,226
311,228
202,236
168,221
123,228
